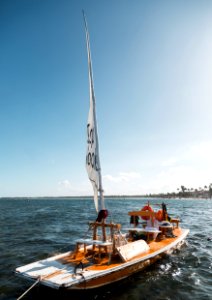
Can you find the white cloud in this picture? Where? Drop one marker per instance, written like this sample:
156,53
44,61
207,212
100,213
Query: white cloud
64,184
67,188
169,162
189,165
123,183
201,152
123,177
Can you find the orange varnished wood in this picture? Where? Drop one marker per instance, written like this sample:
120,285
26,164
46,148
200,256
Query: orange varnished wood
115,276
141,213
154,246
46,277
103,263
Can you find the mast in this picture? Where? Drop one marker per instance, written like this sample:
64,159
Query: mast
92,159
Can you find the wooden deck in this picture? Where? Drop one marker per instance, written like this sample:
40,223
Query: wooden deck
103,261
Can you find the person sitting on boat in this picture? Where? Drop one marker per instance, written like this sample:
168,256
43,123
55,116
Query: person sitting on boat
165,213
165,222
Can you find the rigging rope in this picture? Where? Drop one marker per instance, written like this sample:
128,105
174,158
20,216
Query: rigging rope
40,278
34,284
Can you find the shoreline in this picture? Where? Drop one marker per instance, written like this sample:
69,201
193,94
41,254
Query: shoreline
106,197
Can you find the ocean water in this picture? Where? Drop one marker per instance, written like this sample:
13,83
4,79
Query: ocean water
33,229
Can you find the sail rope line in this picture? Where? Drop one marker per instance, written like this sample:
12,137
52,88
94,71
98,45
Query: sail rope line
40,278
29,289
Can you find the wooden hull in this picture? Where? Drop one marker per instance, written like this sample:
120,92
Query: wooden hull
115,276
65,272
129,268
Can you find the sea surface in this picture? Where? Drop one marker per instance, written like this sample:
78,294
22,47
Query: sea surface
32,229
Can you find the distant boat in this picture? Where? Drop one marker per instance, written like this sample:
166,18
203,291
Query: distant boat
107,255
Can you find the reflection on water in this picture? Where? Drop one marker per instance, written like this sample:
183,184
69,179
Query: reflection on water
34,229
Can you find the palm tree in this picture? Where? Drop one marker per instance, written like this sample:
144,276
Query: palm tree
205,191
210,190
183,188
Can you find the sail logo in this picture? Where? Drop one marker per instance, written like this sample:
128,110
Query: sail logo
91,157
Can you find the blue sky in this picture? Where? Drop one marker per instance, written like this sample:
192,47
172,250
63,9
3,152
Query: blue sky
152,67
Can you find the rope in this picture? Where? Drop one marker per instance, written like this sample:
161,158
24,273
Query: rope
37,281
34,284
86,233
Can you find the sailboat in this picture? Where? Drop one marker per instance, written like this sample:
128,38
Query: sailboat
111,253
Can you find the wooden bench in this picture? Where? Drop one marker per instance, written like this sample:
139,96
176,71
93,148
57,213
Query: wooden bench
96,243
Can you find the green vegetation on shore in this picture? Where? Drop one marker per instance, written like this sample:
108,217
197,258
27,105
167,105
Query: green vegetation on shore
184,192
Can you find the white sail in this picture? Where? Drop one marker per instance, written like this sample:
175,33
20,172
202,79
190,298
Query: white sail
92,156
